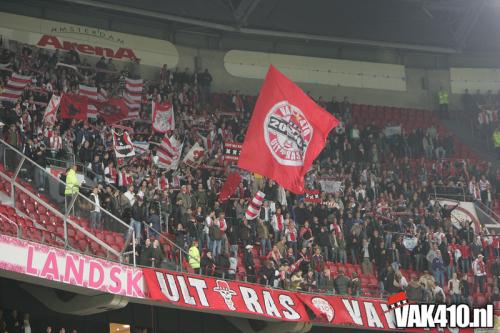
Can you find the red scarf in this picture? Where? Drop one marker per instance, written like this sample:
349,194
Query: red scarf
222,224
293,237
279,219
163,183
481,267
123,180
113,174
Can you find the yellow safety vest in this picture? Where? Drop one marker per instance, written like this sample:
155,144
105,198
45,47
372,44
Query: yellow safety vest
443,97
72,183
496,139
194,257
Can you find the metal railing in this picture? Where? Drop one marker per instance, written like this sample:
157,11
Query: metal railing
18,231
178,253
58,163
488,211
451,192
20,171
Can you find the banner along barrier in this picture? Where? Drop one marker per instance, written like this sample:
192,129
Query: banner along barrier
205,293
359,313
68,267
196,292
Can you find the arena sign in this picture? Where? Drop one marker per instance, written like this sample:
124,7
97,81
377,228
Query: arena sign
87,41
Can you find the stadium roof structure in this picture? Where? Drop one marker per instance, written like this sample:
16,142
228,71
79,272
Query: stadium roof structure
435,26
441,26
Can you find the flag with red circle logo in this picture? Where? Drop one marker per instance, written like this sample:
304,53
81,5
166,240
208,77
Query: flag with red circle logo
287,132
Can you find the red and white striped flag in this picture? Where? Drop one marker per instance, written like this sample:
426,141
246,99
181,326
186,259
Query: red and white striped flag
50,115
133,96
169,153
254,207
91,93
15,87
102,95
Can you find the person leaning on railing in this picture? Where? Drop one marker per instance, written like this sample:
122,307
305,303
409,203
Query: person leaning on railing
72,185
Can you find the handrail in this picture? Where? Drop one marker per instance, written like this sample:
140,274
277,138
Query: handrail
59,214
488,211
148,227
87,171
56,162
11,222
60,181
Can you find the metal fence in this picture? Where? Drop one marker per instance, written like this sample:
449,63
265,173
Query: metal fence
40,196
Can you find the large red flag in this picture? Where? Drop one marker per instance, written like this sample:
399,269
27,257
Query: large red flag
287,132
113,110
74,107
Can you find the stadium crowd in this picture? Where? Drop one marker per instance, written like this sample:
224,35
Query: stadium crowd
380,217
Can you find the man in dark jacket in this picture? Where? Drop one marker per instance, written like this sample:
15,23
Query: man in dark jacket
387,278
342,283
326,283
154,223
249,264
207,264
222,263
325,242
267,273
145,255
156,254
138,215
39,158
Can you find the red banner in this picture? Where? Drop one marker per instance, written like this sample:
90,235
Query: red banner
287,132
113,110
74,107
358,312
312,196
232,150
212,294
230,185
195,291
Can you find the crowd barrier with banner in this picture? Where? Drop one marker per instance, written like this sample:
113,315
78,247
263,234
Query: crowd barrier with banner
191,291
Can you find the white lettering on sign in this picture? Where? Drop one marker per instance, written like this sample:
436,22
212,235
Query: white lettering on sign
352,307
251,300
200,286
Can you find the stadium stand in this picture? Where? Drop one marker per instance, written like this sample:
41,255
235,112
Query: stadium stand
379,232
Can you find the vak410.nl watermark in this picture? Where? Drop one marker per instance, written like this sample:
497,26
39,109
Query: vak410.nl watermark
413,315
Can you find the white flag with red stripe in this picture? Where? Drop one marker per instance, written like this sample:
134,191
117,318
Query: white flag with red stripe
254,207
195,156
50,115
133,96
15,87
163,117
169,153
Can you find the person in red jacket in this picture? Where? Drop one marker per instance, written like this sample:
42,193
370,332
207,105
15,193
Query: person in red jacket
465,258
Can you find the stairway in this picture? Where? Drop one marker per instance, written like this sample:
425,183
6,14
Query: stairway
463,131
